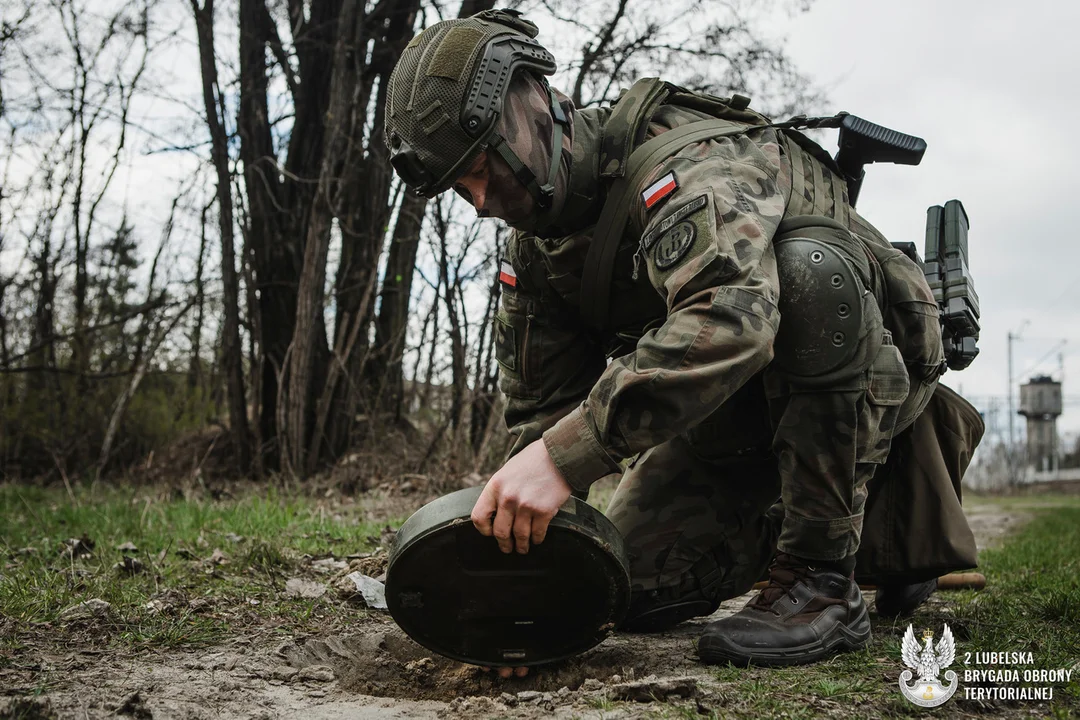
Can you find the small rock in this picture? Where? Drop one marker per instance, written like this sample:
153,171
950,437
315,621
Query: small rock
421,667
316,673
317,693
300,588
128,547
234,538
92,608
615,679
564,692
592,685
284,672
529,695
508,700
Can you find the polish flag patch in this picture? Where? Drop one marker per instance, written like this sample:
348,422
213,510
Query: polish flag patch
659,190
507,276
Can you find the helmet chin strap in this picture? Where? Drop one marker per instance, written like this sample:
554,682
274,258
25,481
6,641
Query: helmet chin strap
543,194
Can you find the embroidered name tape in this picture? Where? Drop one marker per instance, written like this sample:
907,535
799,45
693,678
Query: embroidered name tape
660,190
667,223
507,276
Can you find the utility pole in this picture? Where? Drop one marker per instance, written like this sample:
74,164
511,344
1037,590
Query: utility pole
1012,421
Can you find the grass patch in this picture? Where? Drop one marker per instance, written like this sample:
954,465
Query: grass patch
226,560
1032,600
1031,603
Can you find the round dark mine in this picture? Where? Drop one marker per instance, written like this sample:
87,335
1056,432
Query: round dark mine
454,592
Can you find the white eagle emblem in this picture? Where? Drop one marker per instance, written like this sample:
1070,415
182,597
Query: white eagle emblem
928,662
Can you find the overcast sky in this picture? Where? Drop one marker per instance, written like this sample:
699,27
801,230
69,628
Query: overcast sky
992,87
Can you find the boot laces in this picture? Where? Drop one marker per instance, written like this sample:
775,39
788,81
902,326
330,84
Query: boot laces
785,572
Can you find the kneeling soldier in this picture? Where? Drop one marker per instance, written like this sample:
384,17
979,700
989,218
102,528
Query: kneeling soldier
753,377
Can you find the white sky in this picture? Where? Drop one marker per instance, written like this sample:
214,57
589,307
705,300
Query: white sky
992,87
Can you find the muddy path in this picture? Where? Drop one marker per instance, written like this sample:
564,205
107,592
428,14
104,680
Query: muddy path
373,670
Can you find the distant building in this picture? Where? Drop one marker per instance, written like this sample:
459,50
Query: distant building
1040,403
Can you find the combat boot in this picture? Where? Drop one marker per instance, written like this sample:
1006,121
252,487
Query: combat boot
653,611
697,594
803,615
893,600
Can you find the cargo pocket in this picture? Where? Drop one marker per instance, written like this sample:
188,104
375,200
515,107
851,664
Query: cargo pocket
913,317
518,374
886,391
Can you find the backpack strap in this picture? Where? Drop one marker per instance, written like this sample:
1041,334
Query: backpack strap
600,260
626,127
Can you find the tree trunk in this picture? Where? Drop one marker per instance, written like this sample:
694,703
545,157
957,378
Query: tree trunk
231,350
393,321
195,366
392,325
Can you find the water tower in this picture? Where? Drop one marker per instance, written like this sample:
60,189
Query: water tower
1040,403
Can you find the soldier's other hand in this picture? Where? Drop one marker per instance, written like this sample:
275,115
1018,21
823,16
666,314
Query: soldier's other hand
520,500
506,672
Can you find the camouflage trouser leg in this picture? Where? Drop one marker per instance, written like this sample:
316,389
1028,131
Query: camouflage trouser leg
828,440
835,389
682,515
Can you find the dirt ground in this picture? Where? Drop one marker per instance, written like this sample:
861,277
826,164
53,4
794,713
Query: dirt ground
375,671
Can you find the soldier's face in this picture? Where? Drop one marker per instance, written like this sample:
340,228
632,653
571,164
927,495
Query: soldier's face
473,184
491,187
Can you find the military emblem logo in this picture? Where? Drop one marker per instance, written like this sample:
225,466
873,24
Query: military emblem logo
928,662
672,245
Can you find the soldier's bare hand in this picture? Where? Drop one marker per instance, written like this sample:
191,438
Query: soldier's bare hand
520,500
506,672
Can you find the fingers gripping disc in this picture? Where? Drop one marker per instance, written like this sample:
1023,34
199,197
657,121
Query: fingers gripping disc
453,591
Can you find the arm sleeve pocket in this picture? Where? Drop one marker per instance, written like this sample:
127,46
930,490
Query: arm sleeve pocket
518,376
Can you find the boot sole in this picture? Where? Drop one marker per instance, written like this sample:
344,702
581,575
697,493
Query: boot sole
718,650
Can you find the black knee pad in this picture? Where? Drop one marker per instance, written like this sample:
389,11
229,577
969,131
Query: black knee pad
821,308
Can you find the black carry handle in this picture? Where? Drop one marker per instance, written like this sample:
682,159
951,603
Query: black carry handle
862,142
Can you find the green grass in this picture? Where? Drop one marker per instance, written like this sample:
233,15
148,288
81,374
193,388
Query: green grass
1031,603
1032,600
264,538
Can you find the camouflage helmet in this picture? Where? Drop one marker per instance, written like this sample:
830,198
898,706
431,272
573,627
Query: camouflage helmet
446,94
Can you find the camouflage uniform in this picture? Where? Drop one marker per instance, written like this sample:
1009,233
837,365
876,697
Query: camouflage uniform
720,427
763,341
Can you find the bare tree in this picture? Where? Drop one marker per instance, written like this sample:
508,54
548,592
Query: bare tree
231,350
